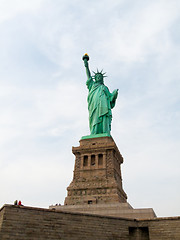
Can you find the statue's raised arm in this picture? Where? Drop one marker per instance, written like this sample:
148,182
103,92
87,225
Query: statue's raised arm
86,59
100,102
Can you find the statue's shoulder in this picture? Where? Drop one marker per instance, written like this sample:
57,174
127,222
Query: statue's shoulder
105,88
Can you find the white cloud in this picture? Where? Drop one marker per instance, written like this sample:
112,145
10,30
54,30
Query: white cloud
141,31
11,8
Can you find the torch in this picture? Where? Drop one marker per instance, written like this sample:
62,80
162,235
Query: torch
85,58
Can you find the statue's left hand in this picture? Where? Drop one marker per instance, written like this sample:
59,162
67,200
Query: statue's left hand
113,97
115,93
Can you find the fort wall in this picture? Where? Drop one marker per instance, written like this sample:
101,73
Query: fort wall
27,223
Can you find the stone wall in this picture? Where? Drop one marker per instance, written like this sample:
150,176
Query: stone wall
1,217
163,228
121,210
27,223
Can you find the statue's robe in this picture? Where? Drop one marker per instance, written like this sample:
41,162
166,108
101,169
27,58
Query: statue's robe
100,103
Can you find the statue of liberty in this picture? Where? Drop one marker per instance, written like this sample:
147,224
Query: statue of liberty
100,102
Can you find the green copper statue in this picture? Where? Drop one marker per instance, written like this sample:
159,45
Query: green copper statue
100,101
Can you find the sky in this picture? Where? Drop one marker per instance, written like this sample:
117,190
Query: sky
43,106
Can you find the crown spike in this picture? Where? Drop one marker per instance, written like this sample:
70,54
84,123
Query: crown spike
101,72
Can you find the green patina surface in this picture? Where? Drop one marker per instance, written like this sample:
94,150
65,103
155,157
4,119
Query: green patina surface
100,103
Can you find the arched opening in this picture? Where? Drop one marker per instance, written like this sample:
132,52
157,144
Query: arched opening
100,159
92,160
85,161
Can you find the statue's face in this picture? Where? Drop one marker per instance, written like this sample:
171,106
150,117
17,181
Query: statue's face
99,78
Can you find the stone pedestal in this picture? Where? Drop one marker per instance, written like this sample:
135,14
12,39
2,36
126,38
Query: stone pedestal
97,173
96,187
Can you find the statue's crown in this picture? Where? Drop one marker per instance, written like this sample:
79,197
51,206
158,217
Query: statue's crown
101,72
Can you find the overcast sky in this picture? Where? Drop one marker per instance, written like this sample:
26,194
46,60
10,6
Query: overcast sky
43,108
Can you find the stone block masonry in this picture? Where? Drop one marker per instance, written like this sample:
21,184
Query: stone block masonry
27,223
97,173
123,210
162,228
97,186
